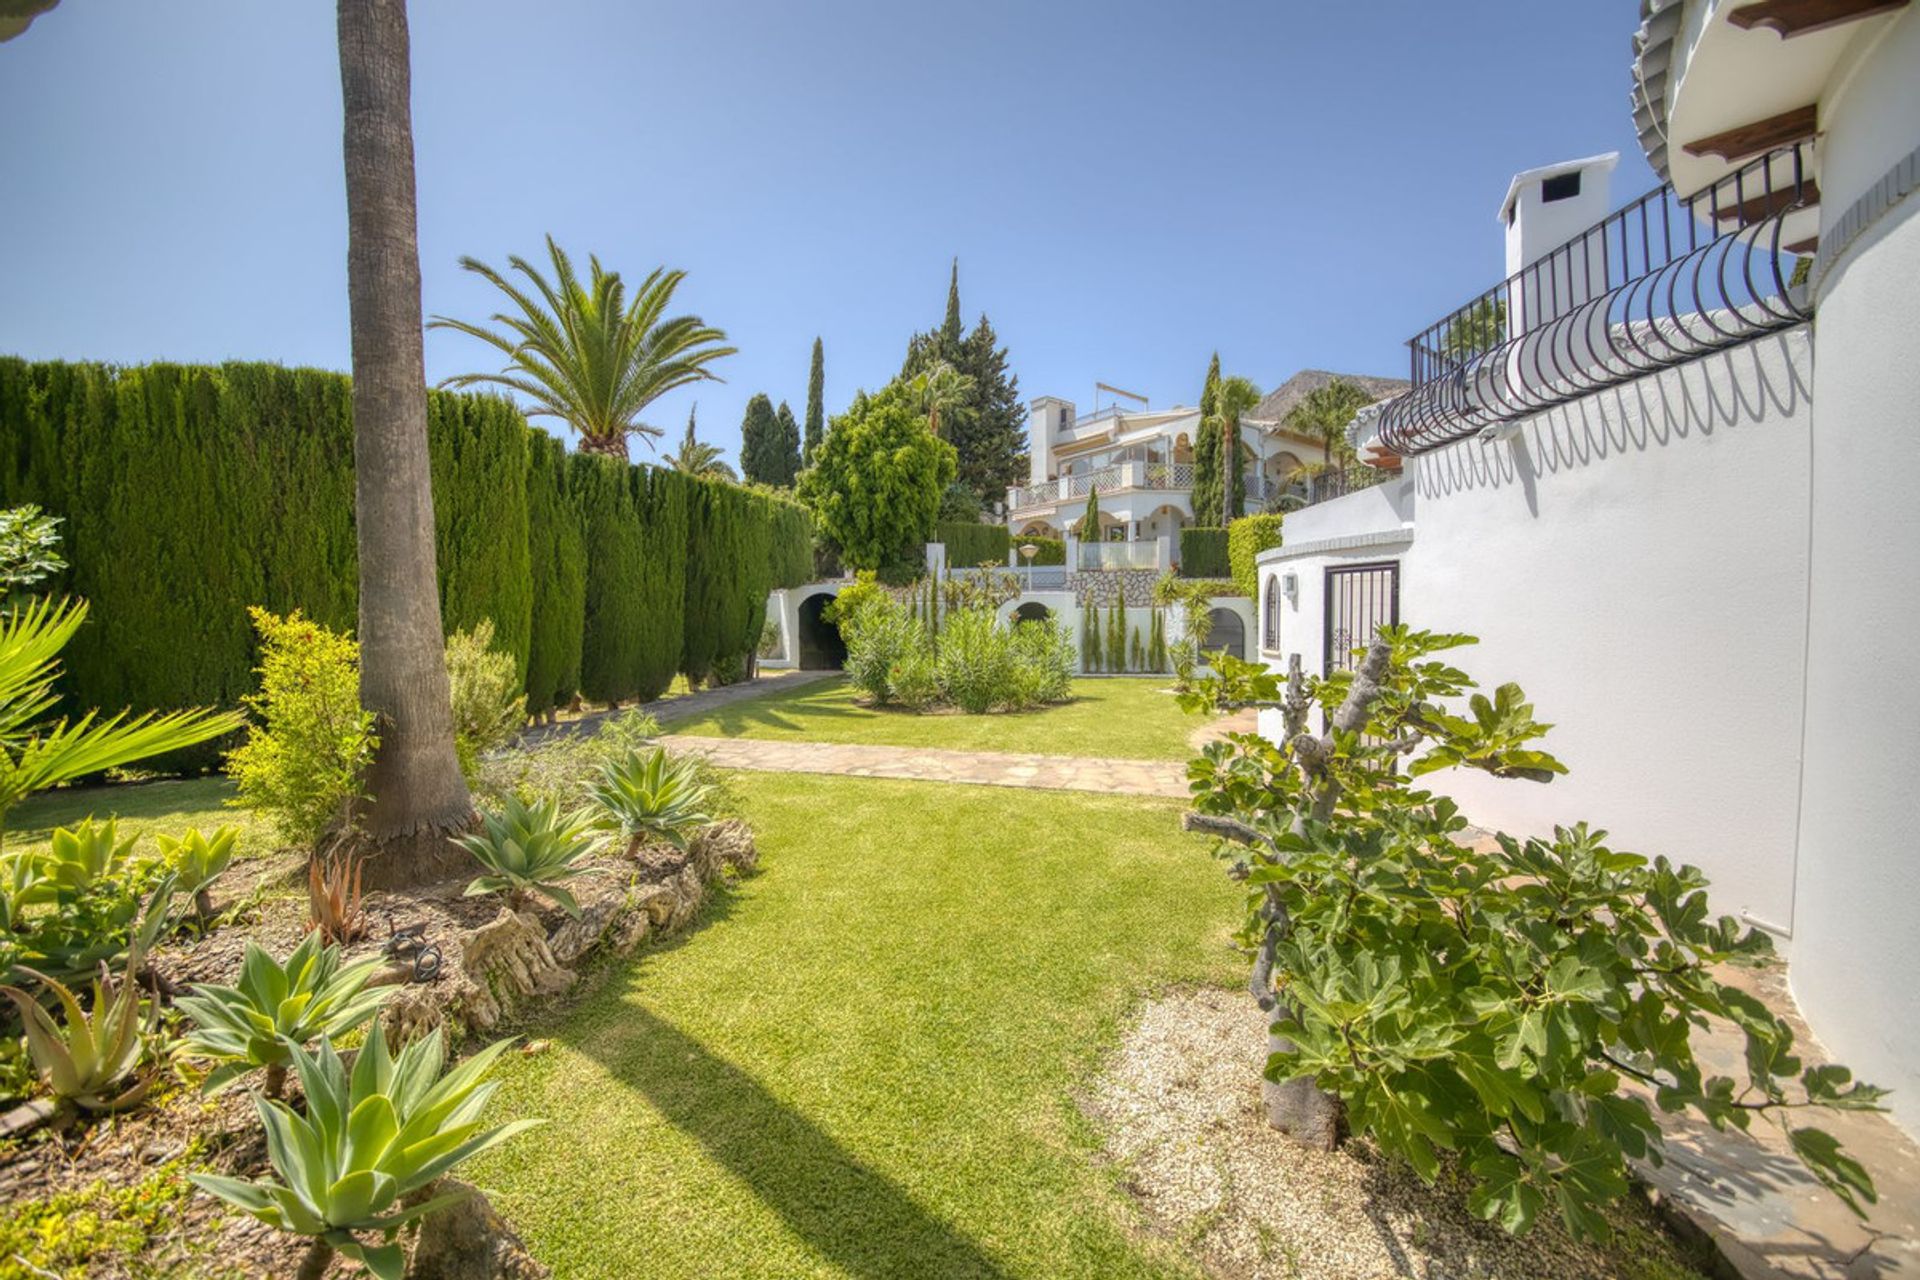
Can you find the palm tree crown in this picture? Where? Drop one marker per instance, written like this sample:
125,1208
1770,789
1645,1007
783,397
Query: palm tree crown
939,388
1326,411
697,457
586,354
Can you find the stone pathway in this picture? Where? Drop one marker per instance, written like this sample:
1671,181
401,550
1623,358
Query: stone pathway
686,705
927,764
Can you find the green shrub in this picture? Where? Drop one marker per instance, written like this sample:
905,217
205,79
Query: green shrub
661,499
877,632
1247,537
29,548
76,905
1090,637
1203,553
488,707
563,765
970,544
615,594
195,862
874,487
480,451
1043,663
914,681
976,662
1485,1007
310,742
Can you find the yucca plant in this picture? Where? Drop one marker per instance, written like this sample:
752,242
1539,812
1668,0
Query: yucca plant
529,848
276,1008
333,897
369,1139
93,1060
649,794
197,861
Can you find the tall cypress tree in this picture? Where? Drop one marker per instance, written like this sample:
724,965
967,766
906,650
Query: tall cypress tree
1208,495
789,446
950,332
816,407
761,457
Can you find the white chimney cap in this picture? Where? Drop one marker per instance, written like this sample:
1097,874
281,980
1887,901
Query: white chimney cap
1602,163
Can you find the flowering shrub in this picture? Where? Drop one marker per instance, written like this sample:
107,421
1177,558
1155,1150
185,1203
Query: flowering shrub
971,660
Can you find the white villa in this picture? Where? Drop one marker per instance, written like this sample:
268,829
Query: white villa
1693,544
1141,461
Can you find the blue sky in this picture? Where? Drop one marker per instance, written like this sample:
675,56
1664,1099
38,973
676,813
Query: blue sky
1128,186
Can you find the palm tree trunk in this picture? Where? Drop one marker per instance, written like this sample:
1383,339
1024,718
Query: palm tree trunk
606,446
416,792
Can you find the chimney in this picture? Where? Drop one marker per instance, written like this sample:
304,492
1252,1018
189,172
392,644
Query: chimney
1546,208
1046,416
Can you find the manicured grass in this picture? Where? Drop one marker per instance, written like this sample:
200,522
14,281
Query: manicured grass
862,1063
1121,717
164,808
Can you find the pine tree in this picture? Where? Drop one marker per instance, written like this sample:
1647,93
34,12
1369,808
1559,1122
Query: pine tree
816,405
988,431
760,453
789,446
1208,497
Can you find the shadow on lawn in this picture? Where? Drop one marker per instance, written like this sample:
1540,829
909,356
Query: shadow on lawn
859,1219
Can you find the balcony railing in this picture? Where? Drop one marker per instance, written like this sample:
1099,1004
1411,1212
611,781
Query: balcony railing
1325,486
1661,282
1171,477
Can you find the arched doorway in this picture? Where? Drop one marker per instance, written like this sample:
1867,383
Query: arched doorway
821,648
1032,611
1228,634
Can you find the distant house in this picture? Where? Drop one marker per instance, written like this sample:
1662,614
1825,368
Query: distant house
1141,461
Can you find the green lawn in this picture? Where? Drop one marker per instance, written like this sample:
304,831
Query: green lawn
862,1062
164,808
1123,717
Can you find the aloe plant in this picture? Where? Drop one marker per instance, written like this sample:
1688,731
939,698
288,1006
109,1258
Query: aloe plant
197,862
368,1140
650,794
529,848
274,1009
81,857
92,1061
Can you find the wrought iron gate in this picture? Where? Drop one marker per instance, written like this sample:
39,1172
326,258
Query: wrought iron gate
1360,598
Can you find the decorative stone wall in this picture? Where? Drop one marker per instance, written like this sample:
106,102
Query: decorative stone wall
1130,587
512,959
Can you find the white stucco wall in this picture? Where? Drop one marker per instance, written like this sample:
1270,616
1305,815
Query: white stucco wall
1637,562
1857,922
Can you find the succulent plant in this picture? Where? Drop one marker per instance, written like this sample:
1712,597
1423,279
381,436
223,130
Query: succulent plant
196,862
93,1059
369,1139
529,848
274,1008
333,897
81,857
650,794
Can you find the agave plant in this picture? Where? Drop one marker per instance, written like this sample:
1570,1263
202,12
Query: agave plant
333,897
650,794
529,847
369,1140
276,1008
196,862
82,857
93,1061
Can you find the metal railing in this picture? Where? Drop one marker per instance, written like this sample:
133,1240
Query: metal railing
1172,477
1662,281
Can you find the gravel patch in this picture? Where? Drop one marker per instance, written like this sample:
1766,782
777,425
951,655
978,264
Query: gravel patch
1179,1112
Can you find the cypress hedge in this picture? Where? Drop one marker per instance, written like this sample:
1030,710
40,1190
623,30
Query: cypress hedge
1247,537
557,556
190,492
1203,553
971,544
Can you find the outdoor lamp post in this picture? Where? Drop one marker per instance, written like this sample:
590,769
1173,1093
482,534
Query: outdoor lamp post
1027,552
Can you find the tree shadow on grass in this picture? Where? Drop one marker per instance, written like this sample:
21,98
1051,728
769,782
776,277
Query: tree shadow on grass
852,1215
